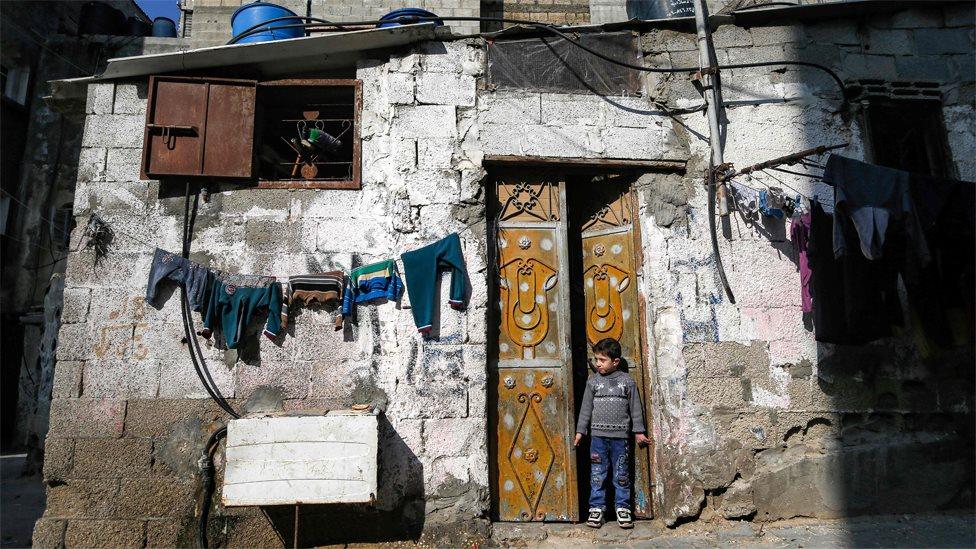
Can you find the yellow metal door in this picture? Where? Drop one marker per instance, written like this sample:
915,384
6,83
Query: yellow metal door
612,306
534,465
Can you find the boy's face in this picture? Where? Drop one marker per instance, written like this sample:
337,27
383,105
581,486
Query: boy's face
605,364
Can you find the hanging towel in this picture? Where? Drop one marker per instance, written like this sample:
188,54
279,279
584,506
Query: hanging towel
422,266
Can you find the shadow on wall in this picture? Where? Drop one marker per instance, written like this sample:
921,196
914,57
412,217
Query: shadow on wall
826,431
397,516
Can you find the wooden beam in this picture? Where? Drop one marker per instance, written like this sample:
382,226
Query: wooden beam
596,163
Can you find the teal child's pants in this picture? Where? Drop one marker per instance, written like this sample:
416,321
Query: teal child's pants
421,268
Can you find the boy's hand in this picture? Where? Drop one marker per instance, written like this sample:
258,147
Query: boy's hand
579,437
641,439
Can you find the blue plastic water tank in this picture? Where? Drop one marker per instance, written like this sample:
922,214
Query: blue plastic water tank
256,13
389,20
164,27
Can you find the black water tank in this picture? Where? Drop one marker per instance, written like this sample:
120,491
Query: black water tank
100,18
137,27
660,9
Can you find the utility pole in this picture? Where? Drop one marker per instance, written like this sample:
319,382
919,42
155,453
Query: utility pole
713,97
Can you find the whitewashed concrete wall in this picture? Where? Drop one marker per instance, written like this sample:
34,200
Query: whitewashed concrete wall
736,387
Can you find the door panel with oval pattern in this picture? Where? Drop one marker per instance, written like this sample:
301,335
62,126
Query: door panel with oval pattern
533,463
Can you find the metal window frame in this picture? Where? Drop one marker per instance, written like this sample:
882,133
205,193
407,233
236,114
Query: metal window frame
351,184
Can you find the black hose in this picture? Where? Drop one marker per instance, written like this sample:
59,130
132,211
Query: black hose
208,484
203,372
712,186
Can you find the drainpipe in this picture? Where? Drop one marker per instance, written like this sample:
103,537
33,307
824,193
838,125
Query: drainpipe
713,83
716,186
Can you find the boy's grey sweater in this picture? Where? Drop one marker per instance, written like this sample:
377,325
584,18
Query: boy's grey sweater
612,403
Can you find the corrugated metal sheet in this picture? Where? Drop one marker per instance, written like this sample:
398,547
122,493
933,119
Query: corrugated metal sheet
270,59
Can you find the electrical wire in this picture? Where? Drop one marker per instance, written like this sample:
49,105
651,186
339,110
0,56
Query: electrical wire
764,5
810,175
544,27
207,470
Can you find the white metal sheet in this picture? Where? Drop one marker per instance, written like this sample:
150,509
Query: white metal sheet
307,460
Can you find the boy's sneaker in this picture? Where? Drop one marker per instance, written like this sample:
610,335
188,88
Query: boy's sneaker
595,519
624,518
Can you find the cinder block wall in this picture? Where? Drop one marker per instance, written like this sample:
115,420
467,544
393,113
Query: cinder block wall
752,418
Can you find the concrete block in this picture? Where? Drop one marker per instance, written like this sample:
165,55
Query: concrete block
732,37
123,165
291,378
49,533
454,437
890,42
445,89
87,417
571,110
932,68
403,156
918,18
100,98
74,342
553,141
414,121
643,143
82,498
114,130
335,235
67,379
111,458
104,533
91,164
510,108
170,497
170,532
433,187
121,378
400,88
764,36
178,379
58,453
501,139
839,32
76,304
444,57
130,98
155,418
946,41
434,153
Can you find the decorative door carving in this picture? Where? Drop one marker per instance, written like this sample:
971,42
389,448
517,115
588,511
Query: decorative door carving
610,260
534,465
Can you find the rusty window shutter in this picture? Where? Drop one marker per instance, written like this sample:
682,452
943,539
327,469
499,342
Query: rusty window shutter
199,127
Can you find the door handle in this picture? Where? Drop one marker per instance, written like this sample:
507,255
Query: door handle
170,131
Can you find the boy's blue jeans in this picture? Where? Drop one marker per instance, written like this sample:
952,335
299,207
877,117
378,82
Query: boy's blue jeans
606,454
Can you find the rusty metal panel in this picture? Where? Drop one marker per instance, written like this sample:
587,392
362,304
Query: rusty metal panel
229,138
534,473
534,463
610,253
178,112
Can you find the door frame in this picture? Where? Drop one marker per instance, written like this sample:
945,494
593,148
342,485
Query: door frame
566,168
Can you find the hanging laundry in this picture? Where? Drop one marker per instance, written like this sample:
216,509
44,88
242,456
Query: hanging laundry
421,268
370,283
313,289
872,198
235,299
800,236
188,274
855,300
772,202
746,200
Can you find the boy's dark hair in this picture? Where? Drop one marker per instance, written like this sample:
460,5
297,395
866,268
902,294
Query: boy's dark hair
608,346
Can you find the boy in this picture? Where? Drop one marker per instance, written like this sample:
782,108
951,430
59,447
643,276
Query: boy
612,403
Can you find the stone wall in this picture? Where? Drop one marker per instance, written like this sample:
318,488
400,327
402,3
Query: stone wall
752,418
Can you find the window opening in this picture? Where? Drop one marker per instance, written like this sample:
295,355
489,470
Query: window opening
308,133
908,134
